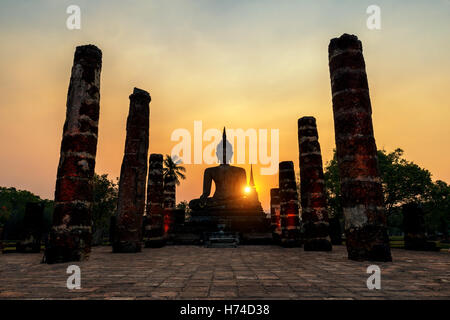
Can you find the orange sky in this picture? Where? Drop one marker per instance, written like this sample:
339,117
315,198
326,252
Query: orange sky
239,64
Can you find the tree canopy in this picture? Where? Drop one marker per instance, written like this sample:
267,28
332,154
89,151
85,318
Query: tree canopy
173,170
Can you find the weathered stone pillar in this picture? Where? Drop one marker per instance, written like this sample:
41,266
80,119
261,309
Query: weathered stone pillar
131,202
71,234
414,227
275,214
312,187
155,197
30,239
362,195
169,201
169,192
289,210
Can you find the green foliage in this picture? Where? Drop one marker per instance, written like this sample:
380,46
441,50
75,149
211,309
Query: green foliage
13,202
333,187
437,208
403,181
105,206
12,210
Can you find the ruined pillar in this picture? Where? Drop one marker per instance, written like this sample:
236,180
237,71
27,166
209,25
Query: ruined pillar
169,192
155,198
362,195
131,202
30,238
169,201
414,227
312,187
289,210
71,234
275,214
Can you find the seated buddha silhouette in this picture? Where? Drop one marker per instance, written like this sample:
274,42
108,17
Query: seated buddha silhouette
230,182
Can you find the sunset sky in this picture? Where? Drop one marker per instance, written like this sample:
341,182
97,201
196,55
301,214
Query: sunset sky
239,64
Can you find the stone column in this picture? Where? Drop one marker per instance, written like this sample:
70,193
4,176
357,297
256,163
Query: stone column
30,239
71,234
289,210
414,227
275,214
131,202
362,195
155,197
312,187
169,192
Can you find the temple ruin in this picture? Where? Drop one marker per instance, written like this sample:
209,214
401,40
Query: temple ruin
71,234
133,174
312,187
289,208
362,194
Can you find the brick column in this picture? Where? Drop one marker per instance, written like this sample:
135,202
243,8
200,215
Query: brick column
275,214
71,234
155,197
289,213
30,239
312,187
169,201
131,202
414,227
362,195
169,192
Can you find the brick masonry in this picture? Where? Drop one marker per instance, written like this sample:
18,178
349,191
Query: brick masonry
362,194
312,187
133,176
246,272
71,234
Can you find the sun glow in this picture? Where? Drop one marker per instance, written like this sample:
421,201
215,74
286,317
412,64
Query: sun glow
247,189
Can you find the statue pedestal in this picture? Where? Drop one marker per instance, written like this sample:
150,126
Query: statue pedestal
244,221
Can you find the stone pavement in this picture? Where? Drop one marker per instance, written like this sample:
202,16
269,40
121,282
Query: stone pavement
246,272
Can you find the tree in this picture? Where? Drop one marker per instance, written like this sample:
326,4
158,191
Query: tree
172,173
333,188
12,211
437,208
173,170
104,206
403,181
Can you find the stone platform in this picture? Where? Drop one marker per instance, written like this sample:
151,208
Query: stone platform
246,272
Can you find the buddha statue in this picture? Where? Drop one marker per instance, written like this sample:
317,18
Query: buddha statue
230,182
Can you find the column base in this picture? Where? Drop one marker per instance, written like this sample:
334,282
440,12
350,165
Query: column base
369,243
68,246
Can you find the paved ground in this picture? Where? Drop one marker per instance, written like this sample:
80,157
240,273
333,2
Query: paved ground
247,272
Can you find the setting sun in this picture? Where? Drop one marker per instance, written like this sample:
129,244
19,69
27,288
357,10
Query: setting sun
247,189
